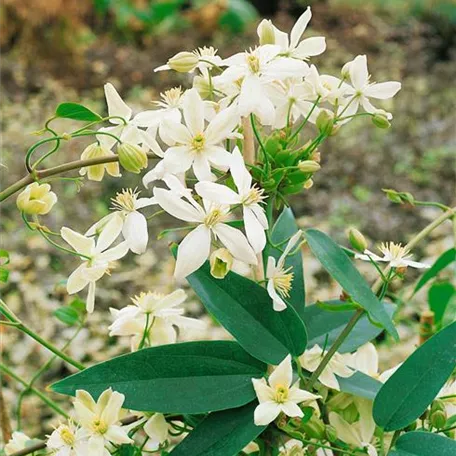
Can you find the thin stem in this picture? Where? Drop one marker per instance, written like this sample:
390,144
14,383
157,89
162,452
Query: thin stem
11,317
303,123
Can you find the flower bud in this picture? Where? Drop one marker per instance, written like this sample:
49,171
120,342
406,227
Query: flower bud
308,166
96,172
36,199
350,413
438,419
132,157
380,120
183,62
316,156
221,262
340,401
308,184
325,122
437,406
266,32
345,72
314,428
357,240
203,86
331,433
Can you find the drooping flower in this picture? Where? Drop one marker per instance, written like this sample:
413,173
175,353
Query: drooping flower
195,145
156,429
96,172
395,254
195,248
279,277
248,196
68,440
279,395
18,442
101,420
96,257
36,199
338,365
152,318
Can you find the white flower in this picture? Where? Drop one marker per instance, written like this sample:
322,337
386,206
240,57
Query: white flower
133,224
293,46
96,172
279,395
96,258
193,144
101,420
325,87
68,440
194,250
338,365
248,195
279,277
395,254
252,72
363,89
18,442
36,199
156,428
152,317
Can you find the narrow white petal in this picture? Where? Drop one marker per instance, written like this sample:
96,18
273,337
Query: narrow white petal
235,241
77,280
345,431
90,303
135,232
359,74
80,243
177,207
299,27
109,233
310,47
222,125
278,304
263,391
217,193
383,90
116,106
282,374
193,108
202,168
241,176
291,409
117,252
266,413
254,230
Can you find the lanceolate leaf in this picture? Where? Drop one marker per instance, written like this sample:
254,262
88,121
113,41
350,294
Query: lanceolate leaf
244,308
77,112
223,433
340,267
439,296
324,326
360,384
421,443
410,390
192,377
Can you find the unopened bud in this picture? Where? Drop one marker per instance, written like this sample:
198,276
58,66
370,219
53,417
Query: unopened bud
314,428
438,419
437,406
266,32
316,156
36,199
380,120
132,157
183,62
203,86
345,72
308,166
350,413
308,184
331,433
357,240
66,136
221,262
399,197
325,122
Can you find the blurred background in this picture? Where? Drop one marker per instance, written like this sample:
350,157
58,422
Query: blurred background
65,50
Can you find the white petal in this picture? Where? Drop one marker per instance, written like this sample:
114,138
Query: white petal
217,193
278,303
116,106
219,157
174,299
298,395
111,411
310,47
177,207
135,232
90,303
178,159
416,264
359,74
77,280
156,428
117,252
262,390
383,90
366,360
291,244
254,230
266,413
109,233
162,332
345,431
79,242
299,27
235,241
174,131
282,374
117,435
193,108
106,140
202,168
291,409
241,176
222,125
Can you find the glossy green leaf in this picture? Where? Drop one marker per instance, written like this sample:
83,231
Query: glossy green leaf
325,326
360,384
441,263
223,433
77,112
191,377
421,443
410,390
340,267
439,296
283,229
67,315
244,308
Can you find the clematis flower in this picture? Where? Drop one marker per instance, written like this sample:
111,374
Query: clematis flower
18,442
279,277
101,420
395,254
96,257
363,89
194,145
68,440
195,248
96,172
157,429
36,199
293,46
126,214
338,365
248,196
153,316
279,395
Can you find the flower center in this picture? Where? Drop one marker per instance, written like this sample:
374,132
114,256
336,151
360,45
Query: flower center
255,195
395,251
253,63
198,142
67,436
282,281
213,217
125,200
172,97
99,426
281,394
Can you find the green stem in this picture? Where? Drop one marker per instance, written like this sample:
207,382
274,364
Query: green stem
258,138
9,315
303,123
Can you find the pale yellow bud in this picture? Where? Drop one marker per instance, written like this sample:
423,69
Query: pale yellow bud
221,262
183,62
202,86
266,32
132,157
325,122
308,166
36,199
308,184
96,172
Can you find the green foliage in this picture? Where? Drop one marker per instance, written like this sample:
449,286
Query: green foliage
440,295
360,385
67,315
77,112
421,443
410,390
217,375
4,261
339,266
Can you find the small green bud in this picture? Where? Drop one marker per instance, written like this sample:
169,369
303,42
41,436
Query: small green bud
357,240
411,427
325,122
399,197
309,166
66,136
437,406
314,428
183,62
380,120
266,32
221,262
202,86
331,433
438,419
132,157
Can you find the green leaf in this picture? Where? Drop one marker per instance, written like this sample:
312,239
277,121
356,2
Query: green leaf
240,13
325,326
339,266
439,296
191,377
77,112
67,315
360,384
410,390
283,229
223,433
245,310
441,263
421,443
4,257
